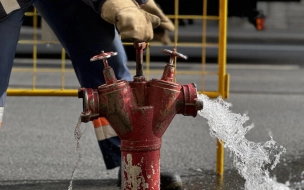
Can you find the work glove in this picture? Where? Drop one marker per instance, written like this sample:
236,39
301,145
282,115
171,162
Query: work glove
161,33
131,21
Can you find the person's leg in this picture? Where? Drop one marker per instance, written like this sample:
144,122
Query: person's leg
108,141
9,36
83,33
2,101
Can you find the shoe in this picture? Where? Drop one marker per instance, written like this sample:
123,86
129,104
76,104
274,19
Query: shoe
168,181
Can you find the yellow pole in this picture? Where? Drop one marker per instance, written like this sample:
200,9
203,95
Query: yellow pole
220,157
222,46
222,74
204,41
41,92
176,5
62,68
34,49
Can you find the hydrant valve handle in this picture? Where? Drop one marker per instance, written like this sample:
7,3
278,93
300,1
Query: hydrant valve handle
103,56
139,47
174,54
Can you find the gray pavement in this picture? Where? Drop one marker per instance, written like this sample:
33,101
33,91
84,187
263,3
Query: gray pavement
38,148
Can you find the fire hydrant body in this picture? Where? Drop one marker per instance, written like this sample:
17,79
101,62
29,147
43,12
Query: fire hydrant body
140,112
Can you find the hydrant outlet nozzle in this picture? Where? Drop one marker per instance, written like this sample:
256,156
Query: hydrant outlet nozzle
90,104
192,105
85,116
199,105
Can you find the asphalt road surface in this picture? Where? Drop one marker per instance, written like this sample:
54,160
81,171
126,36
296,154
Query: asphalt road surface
38,149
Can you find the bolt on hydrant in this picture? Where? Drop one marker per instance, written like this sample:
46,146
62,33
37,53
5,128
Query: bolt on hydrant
140,112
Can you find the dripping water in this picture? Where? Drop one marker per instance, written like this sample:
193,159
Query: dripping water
77,136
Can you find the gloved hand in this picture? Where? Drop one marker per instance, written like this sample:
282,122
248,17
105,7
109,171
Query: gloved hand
131,21
152,8
161,35
161,32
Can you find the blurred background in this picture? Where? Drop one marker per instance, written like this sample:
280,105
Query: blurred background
251,23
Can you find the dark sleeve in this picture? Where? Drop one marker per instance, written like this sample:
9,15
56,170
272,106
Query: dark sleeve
96,4
142,1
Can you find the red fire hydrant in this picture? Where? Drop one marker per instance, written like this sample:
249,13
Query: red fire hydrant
140,112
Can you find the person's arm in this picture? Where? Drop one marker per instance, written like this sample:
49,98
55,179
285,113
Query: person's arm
131,21
151,7
160,33
149,10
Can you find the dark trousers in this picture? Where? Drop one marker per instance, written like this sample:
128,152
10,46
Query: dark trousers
83,34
